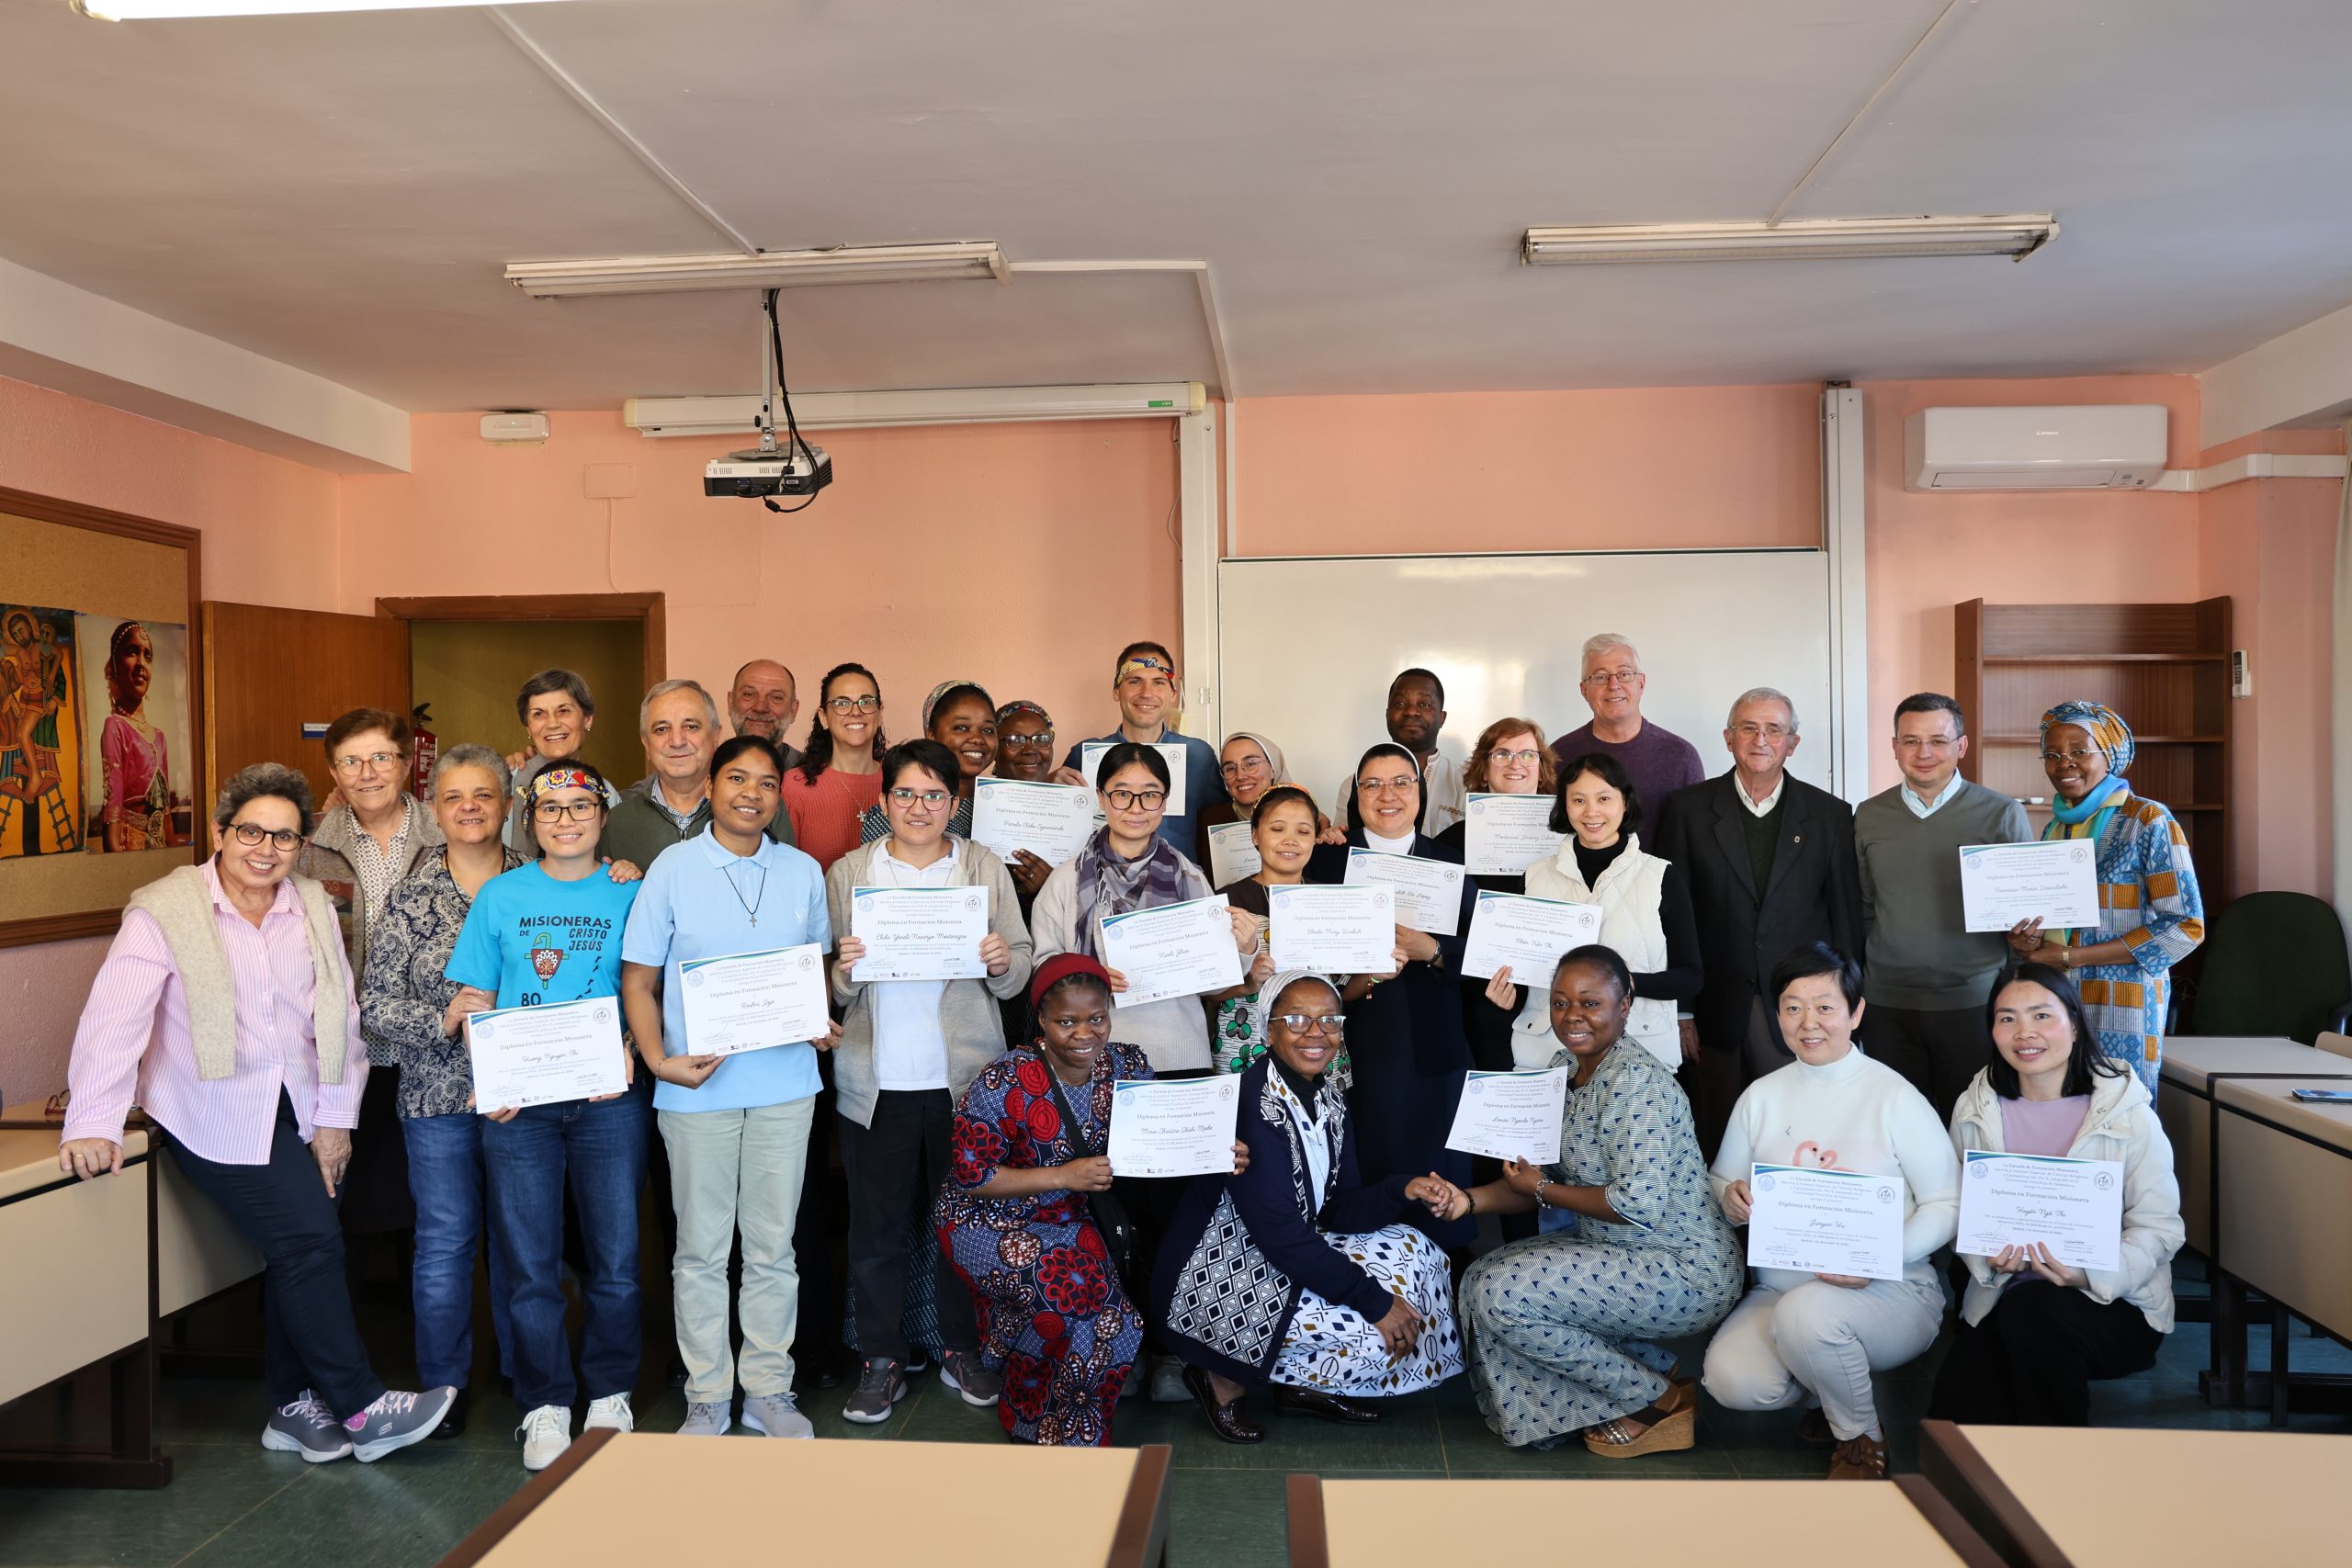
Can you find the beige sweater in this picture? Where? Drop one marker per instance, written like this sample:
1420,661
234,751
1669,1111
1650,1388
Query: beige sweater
181,903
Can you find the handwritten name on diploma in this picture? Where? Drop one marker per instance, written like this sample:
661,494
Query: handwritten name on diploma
1826,1222
2073,1206
1174,1127
542,1055
1510,1115
920,933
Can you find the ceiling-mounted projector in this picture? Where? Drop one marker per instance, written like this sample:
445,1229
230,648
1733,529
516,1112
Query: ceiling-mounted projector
761,472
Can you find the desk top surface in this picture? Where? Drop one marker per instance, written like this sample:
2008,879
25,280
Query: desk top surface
2274,1100
29,1159
1757,1524
2191,1060
2250,1497
837,1500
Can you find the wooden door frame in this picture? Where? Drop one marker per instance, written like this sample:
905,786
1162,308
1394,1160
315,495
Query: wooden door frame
650,611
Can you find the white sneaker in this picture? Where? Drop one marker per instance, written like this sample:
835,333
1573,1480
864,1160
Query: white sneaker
546,1433
611,1411
1166,1380
707,1419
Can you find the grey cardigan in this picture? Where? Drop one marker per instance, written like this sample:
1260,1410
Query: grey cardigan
968,1016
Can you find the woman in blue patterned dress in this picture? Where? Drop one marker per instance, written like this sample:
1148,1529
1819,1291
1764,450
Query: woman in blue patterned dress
1013,1214
1561,1324
2152,913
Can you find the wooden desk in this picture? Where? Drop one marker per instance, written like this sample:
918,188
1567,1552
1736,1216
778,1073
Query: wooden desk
643,1497
2059,1497
2184,1104
2283,1209
1754,1524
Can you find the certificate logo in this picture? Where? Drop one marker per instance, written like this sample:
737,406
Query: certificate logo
972,902
1764,1183
1978,1171
1475,1086
484,1029
1380,899
866,905
694,977
1885,1195
1477,809
807,961
603,1015
2103,1180
2079,854
1281,900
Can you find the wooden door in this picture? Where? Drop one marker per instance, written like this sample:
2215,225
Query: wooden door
269,672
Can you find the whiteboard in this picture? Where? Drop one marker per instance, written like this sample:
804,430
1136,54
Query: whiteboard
1307,645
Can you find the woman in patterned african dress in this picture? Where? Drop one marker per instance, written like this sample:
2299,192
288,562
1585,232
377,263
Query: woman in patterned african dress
1013,1215
1561,1325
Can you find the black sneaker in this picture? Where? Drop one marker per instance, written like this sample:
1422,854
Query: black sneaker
880,1385
963,1372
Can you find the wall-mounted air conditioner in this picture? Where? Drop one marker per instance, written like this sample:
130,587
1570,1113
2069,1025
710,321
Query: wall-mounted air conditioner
2085,446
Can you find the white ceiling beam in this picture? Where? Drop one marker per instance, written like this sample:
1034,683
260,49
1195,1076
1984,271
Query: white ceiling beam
2301,378
69,340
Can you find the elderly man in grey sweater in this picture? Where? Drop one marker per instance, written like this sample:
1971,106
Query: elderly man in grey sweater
1929,976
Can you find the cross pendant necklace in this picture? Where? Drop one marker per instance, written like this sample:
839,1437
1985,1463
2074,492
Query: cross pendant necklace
751,905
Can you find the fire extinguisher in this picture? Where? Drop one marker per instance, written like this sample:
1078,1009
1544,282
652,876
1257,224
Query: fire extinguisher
428,748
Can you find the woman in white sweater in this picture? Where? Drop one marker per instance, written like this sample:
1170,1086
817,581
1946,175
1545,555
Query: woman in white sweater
1814,1338
2035,1330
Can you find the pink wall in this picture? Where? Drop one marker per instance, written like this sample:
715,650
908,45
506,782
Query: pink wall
1504,471
966,552
270,536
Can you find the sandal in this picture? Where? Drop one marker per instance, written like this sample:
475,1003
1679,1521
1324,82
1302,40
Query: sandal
1666,1429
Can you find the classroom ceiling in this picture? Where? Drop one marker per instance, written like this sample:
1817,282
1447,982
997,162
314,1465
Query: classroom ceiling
341,192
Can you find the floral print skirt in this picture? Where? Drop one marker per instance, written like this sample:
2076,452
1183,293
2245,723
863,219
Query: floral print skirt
1337,1351
1051,1315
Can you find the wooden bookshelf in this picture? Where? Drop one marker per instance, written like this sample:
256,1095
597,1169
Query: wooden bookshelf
2166,667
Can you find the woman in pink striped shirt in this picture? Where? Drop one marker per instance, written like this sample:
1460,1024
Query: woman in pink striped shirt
236,972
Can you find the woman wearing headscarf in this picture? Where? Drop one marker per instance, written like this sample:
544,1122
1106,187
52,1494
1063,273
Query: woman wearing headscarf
1343,1300
960,716
1406,1043
2152,913
1251,765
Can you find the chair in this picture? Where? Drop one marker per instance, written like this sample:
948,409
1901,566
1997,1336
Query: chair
2274,965
2338,1044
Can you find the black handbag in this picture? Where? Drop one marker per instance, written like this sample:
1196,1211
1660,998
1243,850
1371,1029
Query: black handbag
1121,1238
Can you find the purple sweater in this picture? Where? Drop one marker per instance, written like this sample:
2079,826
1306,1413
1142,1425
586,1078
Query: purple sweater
1659,761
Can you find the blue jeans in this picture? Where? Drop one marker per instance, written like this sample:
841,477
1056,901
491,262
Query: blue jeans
598,1147
445,1177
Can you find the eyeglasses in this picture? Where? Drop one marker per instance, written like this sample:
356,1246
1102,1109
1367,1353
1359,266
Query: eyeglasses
252,833
933,798
1766,731
1930,743
374,761
1507,758
1248,765
1042,737
866,704
2078,756
1310,1022
1374,787
1610,677
1136,799
572,810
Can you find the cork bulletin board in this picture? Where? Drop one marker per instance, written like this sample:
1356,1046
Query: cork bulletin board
101,746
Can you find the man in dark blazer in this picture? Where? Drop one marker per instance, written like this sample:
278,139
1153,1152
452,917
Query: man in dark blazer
1771,865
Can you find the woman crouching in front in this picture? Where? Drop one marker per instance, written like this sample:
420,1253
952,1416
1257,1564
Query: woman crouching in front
1355,1303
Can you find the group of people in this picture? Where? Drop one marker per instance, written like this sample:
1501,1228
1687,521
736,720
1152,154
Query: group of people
1777,979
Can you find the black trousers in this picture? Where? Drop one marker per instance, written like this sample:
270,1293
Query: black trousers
2030,1362
1939,1052
310,1338
903,1152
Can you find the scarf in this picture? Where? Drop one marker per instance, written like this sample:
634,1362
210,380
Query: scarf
2100,798
930,703
1109,885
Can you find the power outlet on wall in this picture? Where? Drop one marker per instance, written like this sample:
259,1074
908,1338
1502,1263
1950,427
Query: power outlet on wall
2241,673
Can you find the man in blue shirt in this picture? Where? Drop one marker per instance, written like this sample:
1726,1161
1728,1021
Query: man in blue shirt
1144,687
736,1125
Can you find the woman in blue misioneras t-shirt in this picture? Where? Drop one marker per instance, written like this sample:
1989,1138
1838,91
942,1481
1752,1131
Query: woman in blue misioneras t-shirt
544,934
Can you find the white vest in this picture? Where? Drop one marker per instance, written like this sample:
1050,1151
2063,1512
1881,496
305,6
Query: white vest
1629,896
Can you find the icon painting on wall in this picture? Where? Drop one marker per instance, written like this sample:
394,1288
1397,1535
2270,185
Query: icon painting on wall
41,733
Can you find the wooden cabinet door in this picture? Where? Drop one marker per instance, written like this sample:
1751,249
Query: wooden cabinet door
269,672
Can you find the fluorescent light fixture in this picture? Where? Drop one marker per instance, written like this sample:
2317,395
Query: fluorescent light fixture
2014,234
769,269
175,10
733,416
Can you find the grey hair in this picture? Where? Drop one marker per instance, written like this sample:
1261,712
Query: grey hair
468,755
1602,642
664,688
264,779
1762,694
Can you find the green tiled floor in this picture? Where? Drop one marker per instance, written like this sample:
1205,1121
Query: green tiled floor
231,1505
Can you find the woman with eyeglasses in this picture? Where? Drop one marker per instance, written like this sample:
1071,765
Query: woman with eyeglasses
1296,1270
839,777
225,1010
1406,1037
1285,826
1510,758
962,717
2152,910
374,837
544,934
1024,750
1251,765
908,1049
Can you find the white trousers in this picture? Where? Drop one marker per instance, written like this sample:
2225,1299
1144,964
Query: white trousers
1778,1347
730,1171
